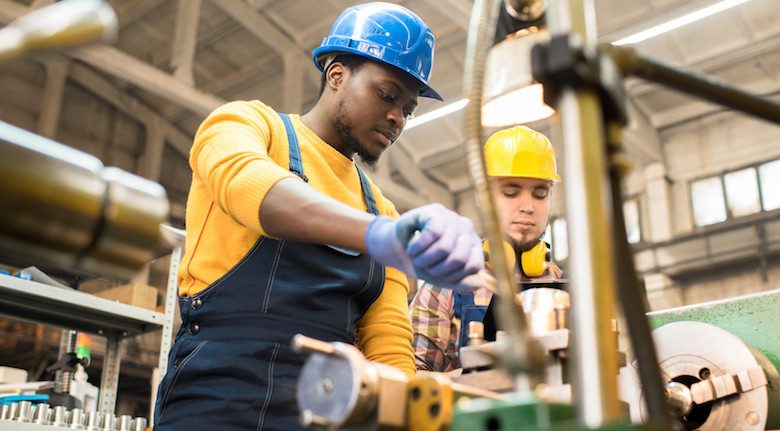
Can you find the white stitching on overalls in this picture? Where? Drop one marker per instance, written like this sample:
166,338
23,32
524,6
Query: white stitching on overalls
179,369
271,277
270,391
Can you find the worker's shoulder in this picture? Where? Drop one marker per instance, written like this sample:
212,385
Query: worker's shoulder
251,108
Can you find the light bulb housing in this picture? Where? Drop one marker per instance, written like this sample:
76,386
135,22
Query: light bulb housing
512,95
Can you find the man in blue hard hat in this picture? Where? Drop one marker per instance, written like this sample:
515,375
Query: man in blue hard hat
286,235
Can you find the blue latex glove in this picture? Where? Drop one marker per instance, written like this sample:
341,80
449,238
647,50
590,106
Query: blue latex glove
446,253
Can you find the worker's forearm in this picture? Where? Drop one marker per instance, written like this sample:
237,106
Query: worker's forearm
293,210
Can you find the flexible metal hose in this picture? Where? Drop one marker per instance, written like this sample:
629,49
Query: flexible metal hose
524,355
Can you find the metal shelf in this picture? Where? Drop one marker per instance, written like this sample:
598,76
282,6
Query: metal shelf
36,302
71,309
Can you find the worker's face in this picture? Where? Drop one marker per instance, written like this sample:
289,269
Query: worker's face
373,103
524,208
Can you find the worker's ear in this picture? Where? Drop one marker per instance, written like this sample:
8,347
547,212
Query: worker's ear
335,74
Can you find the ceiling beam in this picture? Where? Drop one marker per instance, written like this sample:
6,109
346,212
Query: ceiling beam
184,39
128,12
403,163
293,83
146,77
128,68
401,196
247,74
265,30
150,161
458,11
258,4
446,155
37,4
640,137
642,18
51,102
104,89
161,56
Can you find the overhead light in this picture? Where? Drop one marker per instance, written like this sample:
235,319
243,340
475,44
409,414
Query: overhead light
679,22
511,95
520,106
509,100
436,113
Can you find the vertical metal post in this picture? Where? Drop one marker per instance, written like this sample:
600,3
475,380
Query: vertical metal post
594,367
170,308
109,379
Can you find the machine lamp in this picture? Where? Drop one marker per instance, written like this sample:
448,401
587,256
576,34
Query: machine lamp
511,95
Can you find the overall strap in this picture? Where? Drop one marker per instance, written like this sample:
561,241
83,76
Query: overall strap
296,165
462,300
368,195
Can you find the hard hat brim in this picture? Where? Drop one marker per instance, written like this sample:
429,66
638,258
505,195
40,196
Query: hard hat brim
426,91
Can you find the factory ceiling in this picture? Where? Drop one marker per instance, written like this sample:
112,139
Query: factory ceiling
137,103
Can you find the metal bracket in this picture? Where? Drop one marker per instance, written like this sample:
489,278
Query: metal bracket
565,61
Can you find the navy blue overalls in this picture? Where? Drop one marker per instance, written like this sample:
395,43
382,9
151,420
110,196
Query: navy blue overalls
467,311
232,367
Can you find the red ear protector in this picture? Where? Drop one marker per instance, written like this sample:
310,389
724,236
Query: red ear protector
534,262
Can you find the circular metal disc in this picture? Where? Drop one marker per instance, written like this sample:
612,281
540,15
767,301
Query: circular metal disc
689,352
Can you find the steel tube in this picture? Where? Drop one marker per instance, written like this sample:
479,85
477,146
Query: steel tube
594,368
630,62
63,208
633,301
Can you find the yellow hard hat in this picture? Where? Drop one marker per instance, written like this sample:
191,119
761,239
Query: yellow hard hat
520,152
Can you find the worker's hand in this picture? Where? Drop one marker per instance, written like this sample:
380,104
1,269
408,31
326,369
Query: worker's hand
447,252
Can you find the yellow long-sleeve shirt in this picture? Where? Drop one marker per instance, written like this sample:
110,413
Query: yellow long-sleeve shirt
240,151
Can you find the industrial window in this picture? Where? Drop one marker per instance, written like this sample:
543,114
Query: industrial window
631,216
742,192
560,240
769,173
709,206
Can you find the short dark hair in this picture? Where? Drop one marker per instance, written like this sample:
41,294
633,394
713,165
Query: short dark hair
350,61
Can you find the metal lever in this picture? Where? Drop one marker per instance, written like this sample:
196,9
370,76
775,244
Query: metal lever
61,25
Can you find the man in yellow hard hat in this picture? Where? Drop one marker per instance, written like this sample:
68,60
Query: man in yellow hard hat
522,169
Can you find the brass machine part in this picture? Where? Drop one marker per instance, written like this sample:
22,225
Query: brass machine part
546,313
340,389
57,26
64,208
432,397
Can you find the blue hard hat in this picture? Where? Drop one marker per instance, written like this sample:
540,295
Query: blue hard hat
383,32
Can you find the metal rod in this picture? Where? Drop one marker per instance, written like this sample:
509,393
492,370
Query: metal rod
304,344
705,87
633,299
594,367
523,355
63,378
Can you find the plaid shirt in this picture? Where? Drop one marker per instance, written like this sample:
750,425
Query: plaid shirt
437,330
